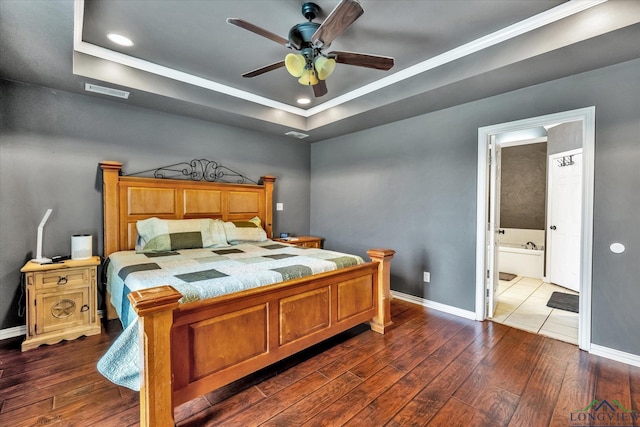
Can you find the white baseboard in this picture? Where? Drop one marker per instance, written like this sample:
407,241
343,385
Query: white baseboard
435,305
617,355
16,331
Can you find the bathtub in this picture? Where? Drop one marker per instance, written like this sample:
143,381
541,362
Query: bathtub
514,257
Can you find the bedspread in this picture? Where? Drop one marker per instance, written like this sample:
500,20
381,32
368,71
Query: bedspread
199,274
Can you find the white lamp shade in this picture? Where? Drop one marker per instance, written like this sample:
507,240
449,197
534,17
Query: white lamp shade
324,66
294,62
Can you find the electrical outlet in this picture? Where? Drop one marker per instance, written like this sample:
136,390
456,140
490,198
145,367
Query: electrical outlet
279,206
426,277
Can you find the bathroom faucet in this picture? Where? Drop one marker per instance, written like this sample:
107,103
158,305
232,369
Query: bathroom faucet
533,245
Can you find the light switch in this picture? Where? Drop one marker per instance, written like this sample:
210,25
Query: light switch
279,206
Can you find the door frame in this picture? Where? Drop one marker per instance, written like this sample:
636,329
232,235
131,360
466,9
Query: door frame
587,117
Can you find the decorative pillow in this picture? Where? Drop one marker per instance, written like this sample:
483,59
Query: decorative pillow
245,231
173,234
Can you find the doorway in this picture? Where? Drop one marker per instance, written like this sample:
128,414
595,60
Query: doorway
488,231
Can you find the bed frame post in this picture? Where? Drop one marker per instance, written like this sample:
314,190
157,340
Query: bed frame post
111,211
268,182
382,319
111,205
154,307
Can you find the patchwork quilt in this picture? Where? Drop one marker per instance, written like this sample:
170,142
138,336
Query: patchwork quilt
199,274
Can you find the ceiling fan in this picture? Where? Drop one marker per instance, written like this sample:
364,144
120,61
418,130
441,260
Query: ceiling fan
311,65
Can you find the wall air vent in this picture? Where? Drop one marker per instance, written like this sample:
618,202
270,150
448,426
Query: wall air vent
106,91
298,135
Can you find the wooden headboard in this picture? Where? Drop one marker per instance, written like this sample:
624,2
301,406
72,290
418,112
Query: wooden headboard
128,199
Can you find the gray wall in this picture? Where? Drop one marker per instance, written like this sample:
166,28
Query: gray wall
523,186
50,146
411,186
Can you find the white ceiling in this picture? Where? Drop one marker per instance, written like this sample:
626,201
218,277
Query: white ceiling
188,60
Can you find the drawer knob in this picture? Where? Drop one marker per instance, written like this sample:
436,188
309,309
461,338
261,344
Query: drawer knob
84,308
62,280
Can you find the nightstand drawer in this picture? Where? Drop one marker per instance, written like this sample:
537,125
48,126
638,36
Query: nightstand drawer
62,278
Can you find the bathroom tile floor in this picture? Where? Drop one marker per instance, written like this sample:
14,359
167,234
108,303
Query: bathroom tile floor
522,304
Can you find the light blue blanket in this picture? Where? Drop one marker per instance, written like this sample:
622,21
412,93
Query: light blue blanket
199,274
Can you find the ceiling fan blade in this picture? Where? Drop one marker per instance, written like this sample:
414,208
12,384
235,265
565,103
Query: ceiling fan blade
258,30
264,69
362,59
344,14
320,88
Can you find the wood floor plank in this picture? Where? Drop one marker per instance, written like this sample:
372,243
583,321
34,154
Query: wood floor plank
431,343
613,382
513,360
343,364
458,414
274,404
385,407
51,386
61,370
315,402
218,413
435,395
398,342
578,388
387,404
71,411
495,387
541,394
481,392
11,418
309,361
351,403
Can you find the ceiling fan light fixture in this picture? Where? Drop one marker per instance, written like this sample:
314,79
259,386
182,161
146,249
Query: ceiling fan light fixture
295,64
311,65
324,66
308,78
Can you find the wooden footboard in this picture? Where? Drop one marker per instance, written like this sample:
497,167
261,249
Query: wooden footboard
191,349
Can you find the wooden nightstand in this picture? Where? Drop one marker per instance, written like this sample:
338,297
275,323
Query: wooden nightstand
61,301
304,241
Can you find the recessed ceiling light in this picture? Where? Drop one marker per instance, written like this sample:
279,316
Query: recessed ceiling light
303,101
120,39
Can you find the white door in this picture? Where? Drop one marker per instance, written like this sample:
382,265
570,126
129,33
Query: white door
494,228
564,219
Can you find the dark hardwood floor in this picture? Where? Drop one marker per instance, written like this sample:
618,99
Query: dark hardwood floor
430,369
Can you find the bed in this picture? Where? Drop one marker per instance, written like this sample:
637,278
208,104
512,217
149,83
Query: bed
188,346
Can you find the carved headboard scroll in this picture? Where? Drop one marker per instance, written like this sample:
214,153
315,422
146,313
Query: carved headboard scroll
197,170
128,199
